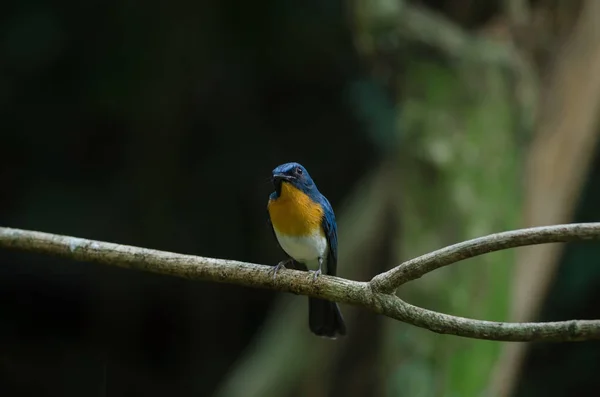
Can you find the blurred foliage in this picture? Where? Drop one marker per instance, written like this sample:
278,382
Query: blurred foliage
460,181
459,161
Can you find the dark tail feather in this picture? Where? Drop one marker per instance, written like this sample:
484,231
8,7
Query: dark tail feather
325,318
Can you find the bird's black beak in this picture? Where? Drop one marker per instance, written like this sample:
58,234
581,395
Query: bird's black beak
281,177
278,179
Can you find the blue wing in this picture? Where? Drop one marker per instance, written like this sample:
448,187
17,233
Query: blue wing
330,229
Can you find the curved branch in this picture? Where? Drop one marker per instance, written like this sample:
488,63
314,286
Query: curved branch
368,295
415,268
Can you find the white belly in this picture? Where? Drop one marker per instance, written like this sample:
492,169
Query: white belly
306,249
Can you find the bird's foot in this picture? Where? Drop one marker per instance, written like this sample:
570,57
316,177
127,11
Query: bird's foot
279,266
316,274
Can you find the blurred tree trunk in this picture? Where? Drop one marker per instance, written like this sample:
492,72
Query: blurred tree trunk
460,121
558,159
464,118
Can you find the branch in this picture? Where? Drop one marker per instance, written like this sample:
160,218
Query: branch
518,12
426,26
372,295
403,20
185,266
418,267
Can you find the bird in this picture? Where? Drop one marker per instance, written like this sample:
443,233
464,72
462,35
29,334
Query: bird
303,222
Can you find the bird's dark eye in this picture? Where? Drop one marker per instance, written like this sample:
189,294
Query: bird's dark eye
298,170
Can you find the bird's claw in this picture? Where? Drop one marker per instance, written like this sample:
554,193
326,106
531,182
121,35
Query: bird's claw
316,274
279,266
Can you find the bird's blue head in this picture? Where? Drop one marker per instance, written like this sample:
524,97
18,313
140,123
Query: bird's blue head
294,174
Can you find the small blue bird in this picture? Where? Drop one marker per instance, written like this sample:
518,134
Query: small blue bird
304,224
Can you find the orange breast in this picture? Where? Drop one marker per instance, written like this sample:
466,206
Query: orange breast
293,213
